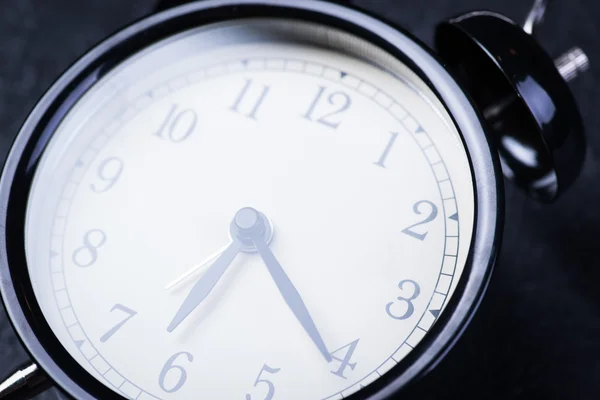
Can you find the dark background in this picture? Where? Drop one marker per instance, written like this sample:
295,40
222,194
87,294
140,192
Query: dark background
537,333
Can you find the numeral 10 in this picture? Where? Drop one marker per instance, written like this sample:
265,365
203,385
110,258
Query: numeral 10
178,124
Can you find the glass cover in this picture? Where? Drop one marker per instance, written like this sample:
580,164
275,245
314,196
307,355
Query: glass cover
254,209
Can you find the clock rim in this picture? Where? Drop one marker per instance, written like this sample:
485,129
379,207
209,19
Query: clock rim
19,300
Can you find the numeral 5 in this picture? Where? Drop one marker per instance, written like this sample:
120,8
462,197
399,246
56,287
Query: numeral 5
267,382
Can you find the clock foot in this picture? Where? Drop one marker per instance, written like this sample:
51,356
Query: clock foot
26,382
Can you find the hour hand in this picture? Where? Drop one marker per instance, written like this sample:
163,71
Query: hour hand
205,284
196,267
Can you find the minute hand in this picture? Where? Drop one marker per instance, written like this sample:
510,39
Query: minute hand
290,295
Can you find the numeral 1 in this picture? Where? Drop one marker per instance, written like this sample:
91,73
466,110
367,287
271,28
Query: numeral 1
257,101
345,361
386,151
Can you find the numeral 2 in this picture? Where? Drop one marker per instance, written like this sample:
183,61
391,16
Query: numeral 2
338,99
417,209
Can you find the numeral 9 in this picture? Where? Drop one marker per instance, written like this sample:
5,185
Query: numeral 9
109,171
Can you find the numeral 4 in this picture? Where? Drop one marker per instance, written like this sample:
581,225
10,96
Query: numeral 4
344,356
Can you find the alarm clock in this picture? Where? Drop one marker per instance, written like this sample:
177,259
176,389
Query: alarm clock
263,200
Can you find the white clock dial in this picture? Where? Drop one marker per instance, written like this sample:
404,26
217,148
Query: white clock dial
354,164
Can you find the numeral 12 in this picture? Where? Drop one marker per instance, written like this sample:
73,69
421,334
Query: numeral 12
339,99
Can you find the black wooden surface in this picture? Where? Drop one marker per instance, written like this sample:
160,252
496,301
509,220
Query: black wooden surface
537,333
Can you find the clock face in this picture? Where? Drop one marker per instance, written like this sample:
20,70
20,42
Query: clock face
257,209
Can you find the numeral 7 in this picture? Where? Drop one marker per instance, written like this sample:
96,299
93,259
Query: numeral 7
130,314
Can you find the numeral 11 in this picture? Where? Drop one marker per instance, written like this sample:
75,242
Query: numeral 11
257,102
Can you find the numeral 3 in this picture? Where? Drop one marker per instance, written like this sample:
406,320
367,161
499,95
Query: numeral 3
407,301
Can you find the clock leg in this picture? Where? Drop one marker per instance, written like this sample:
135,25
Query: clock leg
26,382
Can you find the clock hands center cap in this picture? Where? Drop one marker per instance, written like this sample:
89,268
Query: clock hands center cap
249,223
